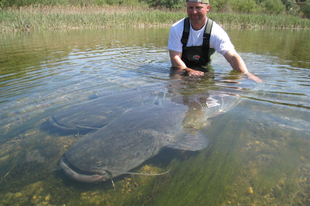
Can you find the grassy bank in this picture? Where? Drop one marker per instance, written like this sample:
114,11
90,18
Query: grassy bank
74,17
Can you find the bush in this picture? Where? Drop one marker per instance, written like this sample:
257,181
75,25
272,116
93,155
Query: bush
273,6
240,6
166,3
289,4
306,9
245,6
219,5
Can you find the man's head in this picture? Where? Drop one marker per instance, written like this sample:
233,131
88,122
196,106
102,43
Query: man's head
197,12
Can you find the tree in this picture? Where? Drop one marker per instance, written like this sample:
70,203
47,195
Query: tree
306,9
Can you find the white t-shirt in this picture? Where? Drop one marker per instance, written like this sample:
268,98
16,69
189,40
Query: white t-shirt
219,39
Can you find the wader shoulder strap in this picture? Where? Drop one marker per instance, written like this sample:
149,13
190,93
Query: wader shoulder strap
185,32
206,36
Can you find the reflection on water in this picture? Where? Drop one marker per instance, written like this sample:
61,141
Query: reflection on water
258,152
290,47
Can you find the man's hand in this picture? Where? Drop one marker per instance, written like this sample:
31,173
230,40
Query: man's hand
180,67
253,77
192,72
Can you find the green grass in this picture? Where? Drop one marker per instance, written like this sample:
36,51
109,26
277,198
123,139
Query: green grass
73,17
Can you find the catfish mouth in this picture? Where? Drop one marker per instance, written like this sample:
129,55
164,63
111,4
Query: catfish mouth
83,176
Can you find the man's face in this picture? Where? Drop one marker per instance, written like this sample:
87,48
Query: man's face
197,12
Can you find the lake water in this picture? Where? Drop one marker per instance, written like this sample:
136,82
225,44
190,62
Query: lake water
258,152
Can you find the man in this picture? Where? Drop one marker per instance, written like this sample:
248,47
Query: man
189,48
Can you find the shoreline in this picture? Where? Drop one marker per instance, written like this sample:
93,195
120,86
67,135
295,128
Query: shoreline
37,17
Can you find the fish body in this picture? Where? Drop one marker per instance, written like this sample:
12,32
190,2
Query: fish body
138,128
129,140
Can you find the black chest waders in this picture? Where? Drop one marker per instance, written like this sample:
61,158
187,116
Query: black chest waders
197,56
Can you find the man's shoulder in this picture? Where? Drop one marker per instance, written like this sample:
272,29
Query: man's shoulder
217,28
179,24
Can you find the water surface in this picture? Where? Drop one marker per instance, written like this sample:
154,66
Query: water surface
258,152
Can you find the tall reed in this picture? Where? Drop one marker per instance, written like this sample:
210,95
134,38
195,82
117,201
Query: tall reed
73,17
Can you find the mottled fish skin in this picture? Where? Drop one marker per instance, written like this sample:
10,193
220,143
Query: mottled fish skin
140,132
134,137
97,113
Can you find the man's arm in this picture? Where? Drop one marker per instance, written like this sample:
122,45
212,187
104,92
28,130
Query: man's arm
238,64
179,65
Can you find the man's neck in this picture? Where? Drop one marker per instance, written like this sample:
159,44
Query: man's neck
198,25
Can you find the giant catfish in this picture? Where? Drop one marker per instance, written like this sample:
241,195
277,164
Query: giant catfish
140,132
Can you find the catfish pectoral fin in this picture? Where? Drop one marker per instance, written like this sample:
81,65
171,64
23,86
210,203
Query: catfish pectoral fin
56,124
192,142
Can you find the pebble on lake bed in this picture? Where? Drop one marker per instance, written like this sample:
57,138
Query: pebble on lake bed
18,194
251,190
47,198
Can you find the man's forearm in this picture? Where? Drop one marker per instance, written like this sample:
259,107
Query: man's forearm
236,62
176,60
